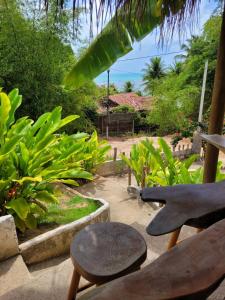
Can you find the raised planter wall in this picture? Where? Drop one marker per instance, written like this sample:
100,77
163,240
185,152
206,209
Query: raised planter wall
8,238
57,241
112,167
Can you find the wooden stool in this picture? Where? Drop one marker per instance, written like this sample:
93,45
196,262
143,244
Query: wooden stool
104,251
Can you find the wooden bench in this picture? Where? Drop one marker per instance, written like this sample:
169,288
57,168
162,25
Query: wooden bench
191,270
197,205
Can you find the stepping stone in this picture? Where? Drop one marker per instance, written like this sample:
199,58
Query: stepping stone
51,284
13,274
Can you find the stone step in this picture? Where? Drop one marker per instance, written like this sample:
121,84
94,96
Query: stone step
51,283
13,274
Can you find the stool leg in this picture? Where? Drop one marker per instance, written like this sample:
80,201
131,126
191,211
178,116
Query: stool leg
173,239
73,285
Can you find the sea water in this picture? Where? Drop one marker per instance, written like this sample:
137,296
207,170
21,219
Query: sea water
119,79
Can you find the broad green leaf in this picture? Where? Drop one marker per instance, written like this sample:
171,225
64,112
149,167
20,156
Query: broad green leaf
10,144
67,120
4,113
39,123
16,101
45,196
28,179
189,161
24,156
30,221
75,174
114,41
67,181
20,206
50,125
19,223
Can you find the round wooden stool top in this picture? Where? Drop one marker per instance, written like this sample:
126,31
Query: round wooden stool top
104,251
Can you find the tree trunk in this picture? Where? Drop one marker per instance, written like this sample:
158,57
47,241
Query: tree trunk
216,120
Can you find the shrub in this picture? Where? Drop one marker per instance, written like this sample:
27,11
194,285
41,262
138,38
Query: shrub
125,108
161,168
33,156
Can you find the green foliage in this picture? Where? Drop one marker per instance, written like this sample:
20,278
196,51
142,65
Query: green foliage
125,108
33,156
140,158
35,56
178,92
97,149
72,210
128,87
152,73
161,168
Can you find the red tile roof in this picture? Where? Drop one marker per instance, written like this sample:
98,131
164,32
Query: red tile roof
133,100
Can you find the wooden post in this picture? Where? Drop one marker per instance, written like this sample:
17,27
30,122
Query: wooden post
129,176
115,154
133,127
217,109
173,238
203,93
73,285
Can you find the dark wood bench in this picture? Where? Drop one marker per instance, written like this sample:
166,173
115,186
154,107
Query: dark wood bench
197,205
191,270
104,251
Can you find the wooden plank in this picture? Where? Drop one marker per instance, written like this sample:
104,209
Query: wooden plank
216,140
193,268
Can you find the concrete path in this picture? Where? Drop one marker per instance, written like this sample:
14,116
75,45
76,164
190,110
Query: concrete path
50,280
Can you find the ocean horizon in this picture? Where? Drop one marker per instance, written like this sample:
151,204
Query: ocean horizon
119,79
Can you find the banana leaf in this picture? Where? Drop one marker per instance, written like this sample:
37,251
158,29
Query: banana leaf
114,41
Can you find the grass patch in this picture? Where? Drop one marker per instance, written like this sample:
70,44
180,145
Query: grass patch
69,211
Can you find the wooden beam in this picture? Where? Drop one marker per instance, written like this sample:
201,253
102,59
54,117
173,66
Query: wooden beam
217,109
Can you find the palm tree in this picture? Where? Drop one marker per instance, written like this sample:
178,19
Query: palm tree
153,71
176,68
128,87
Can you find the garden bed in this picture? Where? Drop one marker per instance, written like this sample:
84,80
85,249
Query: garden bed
71,207
57,228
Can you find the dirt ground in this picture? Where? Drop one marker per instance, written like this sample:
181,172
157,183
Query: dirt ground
124,144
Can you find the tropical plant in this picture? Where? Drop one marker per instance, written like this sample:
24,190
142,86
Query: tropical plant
128,87
97,150
32,157
125,108
161,168
157,164
176,67
153,71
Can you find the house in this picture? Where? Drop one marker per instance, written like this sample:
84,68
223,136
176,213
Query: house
139,103
122,122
